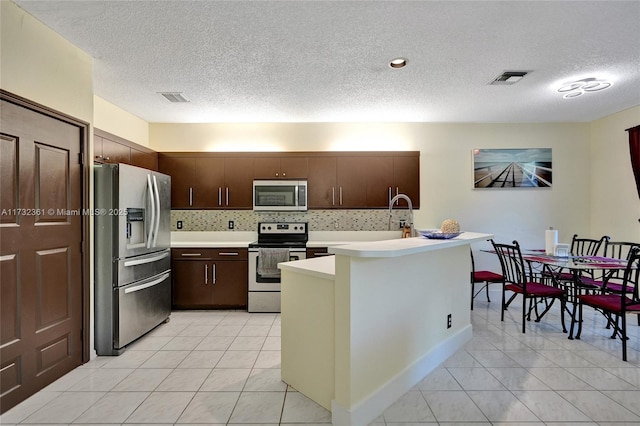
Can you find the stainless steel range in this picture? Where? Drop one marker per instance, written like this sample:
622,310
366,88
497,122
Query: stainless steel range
277,242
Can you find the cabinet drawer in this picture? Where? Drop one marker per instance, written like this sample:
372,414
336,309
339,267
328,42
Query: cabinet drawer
229,254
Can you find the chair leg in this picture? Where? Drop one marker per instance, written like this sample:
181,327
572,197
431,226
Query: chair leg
486,286
503,306
524,309
579,321
563,306
623,332
473,294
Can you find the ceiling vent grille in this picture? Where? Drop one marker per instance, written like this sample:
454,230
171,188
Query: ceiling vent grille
509,77
175,97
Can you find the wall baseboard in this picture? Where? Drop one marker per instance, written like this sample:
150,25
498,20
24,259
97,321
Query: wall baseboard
370,408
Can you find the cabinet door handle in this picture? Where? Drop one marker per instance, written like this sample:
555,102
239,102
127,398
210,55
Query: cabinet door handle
213,275
277,174
227,195
284,174
340,195
206,274
190,196
389,196
191,254
333,196
228,253
219,196
398,201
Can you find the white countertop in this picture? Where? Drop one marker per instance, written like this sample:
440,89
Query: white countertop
321,267
229,239
212,239
405,246
324,267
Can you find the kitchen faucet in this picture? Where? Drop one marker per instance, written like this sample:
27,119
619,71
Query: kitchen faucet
404,197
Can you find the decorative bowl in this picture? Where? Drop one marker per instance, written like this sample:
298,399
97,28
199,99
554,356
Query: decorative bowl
436,234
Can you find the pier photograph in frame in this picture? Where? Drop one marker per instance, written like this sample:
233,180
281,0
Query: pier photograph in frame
512,168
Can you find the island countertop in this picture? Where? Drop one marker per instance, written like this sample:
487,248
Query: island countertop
405,246
361,328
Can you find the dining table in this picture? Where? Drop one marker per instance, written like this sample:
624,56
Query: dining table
552,267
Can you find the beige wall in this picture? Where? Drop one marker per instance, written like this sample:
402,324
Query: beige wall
113,119
41,66
446,179
593,188
615,207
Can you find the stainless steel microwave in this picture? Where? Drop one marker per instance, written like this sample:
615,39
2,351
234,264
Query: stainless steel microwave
280,195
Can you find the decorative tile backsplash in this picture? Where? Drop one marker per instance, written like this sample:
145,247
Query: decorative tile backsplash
319,220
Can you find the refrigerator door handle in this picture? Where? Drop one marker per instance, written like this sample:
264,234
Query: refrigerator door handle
147,259
153,212
147,285
157,208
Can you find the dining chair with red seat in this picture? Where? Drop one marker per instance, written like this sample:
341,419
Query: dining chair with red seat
616,306
486,277
519,279
612,281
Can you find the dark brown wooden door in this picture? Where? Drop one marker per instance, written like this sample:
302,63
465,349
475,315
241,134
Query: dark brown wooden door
293,167
379,181
322,182
209,191
40,251
182,171
113,152
406,176
238,177
266,168
230,286
352,182
144,160
192,283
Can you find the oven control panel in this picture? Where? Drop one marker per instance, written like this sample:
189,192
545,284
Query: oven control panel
282,228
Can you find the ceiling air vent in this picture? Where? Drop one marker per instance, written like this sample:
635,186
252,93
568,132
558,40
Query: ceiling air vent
509,77
175,97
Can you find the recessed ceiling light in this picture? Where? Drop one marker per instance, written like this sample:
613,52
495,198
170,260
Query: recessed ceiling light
398,63
579,87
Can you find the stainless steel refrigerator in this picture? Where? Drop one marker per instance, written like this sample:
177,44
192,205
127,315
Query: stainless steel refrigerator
132,279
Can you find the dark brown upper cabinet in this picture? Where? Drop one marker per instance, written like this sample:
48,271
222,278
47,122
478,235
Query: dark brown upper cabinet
208,182
336,180
293,167
109,148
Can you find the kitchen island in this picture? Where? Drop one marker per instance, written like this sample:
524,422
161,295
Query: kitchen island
361,328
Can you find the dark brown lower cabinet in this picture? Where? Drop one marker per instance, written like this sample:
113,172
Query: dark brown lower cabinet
210,278
317,252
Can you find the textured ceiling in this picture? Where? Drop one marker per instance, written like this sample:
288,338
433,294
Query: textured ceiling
326,61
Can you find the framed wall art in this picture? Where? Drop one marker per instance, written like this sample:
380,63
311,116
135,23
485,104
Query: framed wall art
512,168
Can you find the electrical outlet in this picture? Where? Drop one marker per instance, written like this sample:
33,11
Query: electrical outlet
402,224
231,224
449,321
179,224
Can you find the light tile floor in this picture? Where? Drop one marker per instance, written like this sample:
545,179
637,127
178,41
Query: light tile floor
224,368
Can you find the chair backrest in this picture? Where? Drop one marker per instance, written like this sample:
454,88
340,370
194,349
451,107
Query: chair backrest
619,249
514,269
586,246
473,265
630,280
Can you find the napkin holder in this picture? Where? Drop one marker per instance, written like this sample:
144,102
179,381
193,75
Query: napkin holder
561,250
